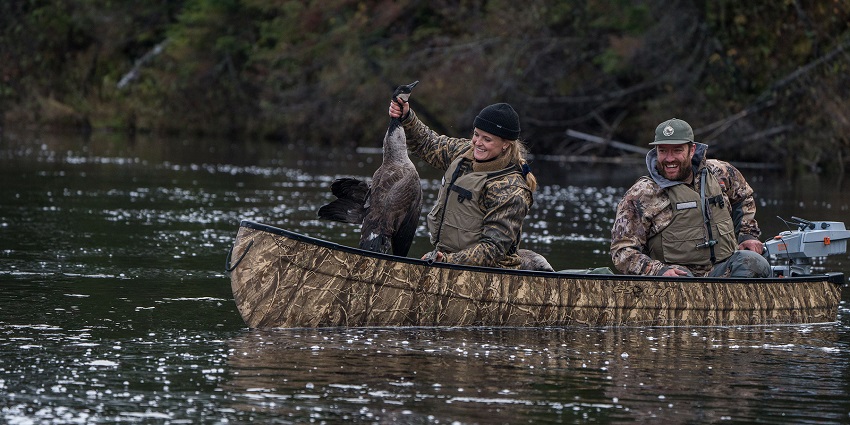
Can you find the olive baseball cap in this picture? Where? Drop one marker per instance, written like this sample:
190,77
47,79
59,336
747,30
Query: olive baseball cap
673,132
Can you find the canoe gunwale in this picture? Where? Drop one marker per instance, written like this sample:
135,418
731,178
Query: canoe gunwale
290,280
836,278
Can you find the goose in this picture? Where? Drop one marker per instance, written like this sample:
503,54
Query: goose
388,208
530,260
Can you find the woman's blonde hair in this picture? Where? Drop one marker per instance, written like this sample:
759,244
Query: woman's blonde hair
518,153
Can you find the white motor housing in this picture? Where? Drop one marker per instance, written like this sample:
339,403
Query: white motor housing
812,239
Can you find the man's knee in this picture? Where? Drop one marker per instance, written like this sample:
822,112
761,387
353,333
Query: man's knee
749,264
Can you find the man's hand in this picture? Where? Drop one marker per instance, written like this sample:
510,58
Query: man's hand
752,245
675,272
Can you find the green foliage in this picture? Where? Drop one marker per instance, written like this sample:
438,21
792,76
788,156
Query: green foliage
782,59
322,71
624,16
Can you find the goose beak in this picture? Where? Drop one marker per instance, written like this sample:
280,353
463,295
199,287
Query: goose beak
402,93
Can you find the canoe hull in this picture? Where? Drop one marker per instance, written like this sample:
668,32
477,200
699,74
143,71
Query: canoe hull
283,279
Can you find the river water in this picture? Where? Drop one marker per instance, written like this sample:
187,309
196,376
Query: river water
115,307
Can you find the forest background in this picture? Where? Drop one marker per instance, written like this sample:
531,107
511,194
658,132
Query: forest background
762,80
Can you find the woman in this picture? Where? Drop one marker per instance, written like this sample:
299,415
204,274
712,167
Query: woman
486,191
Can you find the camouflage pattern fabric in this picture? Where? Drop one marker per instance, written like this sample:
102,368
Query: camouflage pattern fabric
506,199
742,264
645,211
282,279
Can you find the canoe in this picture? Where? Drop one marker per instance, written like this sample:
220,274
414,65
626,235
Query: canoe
282,279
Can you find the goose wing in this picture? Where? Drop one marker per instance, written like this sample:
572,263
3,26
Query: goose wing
350,205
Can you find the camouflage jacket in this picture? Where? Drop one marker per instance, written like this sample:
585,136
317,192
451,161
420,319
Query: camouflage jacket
506,199
645,211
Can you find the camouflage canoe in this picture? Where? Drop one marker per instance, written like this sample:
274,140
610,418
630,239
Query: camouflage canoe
285,279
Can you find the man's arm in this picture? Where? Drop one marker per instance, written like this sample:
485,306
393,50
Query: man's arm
633,227
742,203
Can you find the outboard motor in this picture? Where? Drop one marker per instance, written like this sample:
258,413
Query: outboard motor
798,247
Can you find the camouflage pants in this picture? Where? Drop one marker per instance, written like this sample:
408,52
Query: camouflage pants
742,264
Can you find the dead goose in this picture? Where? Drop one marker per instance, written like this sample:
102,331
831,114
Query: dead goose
389,207
530,260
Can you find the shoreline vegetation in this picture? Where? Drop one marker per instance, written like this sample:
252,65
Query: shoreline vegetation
761,82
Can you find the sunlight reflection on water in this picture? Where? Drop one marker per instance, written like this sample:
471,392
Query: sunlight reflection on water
115,308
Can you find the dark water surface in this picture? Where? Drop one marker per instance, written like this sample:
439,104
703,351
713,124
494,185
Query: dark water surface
114,305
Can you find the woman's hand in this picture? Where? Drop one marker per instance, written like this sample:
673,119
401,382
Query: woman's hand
434,256
398,111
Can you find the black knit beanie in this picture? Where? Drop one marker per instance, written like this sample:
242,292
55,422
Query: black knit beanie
499,119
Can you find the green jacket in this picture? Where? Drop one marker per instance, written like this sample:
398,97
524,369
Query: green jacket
504,201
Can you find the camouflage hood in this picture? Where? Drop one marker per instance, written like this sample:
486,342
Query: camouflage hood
663,182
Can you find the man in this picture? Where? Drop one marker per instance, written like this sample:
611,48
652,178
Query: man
691,216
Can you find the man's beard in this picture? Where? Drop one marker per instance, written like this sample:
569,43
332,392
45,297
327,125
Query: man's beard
685,169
